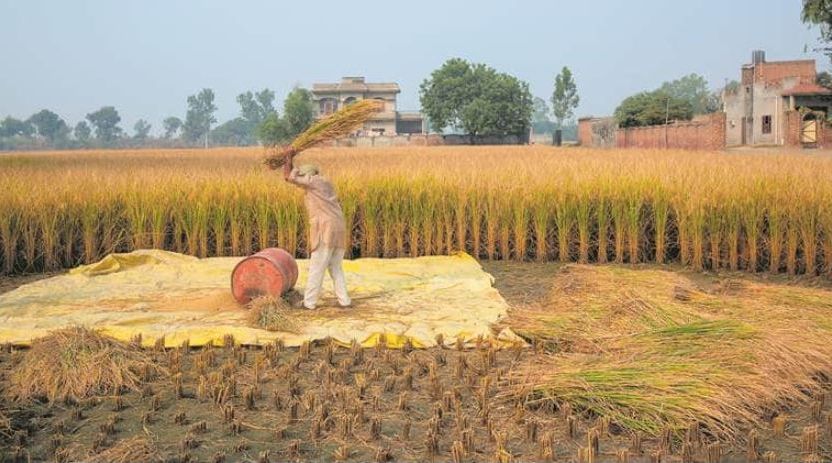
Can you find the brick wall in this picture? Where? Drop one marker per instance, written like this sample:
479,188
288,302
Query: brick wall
705,133
585,131
775,72
597,132
792,127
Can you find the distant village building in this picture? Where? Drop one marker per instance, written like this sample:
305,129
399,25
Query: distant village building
776,103
329,97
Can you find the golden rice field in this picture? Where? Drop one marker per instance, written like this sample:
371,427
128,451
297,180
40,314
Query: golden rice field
739,211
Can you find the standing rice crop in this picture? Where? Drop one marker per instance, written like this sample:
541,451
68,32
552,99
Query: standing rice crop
704,210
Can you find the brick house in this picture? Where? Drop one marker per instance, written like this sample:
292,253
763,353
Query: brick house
777,103
329,97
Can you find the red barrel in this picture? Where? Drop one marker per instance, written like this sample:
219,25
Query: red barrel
270,272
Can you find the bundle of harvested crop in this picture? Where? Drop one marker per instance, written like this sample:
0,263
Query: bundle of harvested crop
339,124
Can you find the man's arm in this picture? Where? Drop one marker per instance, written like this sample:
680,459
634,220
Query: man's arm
288,166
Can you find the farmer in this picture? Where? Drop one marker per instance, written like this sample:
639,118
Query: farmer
327,240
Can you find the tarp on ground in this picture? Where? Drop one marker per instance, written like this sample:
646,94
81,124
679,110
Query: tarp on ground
158,293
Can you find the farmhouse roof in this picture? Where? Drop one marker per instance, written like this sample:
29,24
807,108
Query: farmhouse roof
355,84
807,89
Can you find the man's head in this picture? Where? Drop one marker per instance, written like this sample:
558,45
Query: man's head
308,170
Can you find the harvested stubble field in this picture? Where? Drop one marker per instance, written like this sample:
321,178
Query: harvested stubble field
652,363
704,210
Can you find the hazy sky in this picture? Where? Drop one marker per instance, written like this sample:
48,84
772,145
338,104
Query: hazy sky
146,57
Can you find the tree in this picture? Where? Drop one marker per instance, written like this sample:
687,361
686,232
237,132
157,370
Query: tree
298,112
105,121
236,132
200,116
255,107
172,125
82,132
49,125
824,79
273,131
819,13
652,108
142,129
692,88
565,97
477,99
540,116
11,127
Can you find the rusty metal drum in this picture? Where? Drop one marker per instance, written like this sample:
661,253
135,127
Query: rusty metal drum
270,272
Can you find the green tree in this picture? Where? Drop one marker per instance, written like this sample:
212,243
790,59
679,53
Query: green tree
824,79
819,13
652,108
254,108
273,131
105,122
142,128
476,99
692,88
298,112
82,132
236,132
540,117
200,116
172,125
11,127
565,97
49,125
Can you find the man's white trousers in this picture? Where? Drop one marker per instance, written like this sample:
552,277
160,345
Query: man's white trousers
324,259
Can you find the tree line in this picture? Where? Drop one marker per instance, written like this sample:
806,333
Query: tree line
259,121
461,97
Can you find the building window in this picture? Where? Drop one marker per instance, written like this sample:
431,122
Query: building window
328,106
766,124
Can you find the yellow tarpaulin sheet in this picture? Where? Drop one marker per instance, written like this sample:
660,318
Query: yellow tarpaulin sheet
158,293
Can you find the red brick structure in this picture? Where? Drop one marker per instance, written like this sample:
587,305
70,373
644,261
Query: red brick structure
585,131
704,133
758,109
794,122
774,73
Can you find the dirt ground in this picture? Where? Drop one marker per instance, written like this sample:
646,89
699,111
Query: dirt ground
340,403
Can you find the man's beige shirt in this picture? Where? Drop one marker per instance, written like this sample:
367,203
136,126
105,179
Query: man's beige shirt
326,219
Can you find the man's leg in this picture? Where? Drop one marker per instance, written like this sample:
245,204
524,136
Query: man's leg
315,278
339,280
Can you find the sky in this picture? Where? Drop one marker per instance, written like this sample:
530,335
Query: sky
146,57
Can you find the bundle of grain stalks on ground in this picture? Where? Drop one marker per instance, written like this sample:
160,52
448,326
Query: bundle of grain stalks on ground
73,364
752,212
274,313
656,350
133,449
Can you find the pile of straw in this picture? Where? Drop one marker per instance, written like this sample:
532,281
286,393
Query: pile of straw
272,314
627,347
77,363
341,123
128,451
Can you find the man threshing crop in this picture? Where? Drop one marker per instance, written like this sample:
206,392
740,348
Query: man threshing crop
327,232
327,237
